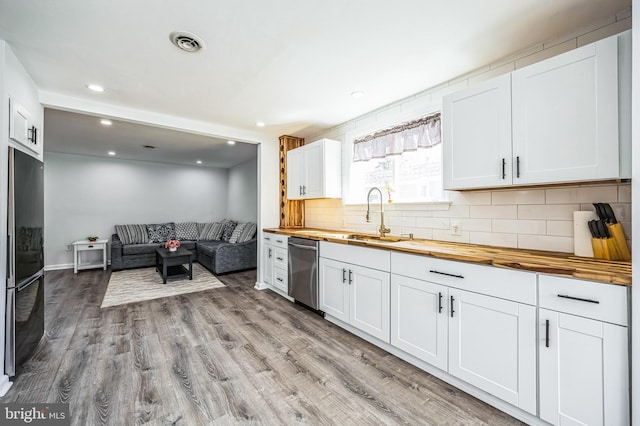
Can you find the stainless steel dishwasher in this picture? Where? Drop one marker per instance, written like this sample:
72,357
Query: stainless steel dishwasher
303,271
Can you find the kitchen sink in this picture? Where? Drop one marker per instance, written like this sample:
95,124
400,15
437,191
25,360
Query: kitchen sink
373,238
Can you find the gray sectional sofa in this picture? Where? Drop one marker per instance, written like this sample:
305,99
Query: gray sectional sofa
219,256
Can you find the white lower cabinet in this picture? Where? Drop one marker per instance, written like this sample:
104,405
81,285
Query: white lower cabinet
419,319
492,345
275,255
356,295
583,362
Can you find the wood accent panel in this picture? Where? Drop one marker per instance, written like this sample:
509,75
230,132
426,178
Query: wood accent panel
291,211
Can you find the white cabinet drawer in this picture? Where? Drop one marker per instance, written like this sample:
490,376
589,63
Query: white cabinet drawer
276,239
503,283
604,302
356,255
280,258
87,247
280,279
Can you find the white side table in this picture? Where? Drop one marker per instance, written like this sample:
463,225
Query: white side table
84,246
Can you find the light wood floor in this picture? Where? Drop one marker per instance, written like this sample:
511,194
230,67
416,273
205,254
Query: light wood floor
233,355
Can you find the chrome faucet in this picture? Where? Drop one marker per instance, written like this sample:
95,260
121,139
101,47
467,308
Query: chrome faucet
382,229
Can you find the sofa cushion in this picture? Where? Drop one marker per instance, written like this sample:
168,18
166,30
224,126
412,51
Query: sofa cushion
228,227
246,232
140,248
211,231
188,244
160,232
209,247
132,234
186,231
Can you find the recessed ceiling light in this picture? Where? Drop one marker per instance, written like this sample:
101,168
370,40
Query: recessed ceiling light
357,94
260,123
95,87
199,162
106,122
231,142
111,153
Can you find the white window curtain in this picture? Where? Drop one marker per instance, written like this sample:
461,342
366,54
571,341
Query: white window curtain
421,133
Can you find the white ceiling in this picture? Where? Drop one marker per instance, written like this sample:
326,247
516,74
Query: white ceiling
73,133
289,63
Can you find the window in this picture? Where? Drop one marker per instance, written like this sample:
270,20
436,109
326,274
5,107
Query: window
405,170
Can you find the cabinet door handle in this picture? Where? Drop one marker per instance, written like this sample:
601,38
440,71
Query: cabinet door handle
344,275
269,253
517,167
439,302
452,311
280,259
504,168
546,333
445,273
300,189
350,277
580,299
304,190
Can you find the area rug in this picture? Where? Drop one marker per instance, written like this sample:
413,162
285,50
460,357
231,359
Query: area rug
137,285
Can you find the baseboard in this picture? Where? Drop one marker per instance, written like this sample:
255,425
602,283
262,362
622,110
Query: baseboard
261,286
5,384
58,267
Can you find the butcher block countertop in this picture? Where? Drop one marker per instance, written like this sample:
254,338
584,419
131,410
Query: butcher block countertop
564,264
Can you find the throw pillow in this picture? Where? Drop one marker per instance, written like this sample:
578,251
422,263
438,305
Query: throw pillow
200,227
236,232
212,231
161,232
247,233
186,231
228,227
132,234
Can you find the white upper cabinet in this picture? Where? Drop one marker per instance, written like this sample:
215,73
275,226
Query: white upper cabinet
564,119
565,116
477,136
315,170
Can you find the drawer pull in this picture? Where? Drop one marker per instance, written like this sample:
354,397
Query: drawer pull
447,274
546,338
279,279
439,302
89,246
279,241
564,296
280,259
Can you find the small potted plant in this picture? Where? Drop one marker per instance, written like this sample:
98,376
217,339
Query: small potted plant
92,238
172,245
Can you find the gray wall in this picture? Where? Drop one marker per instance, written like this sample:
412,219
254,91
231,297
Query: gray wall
242,204
89,195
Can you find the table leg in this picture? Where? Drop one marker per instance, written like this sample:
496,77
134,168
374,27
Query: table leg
164,272
190,268
75,259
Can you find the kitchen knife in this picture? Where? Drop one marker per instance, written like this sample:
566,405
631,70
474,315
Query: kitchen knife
596,241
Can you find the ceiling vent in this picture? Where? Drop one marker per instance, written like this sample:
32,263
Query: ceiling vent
149,146
186,41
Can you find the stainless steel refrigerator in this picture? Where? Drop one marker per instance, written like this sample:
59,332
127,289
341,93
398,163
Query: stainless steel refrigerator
25,259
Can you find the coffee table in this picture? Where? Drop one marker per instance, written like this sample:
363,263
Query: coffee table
170,264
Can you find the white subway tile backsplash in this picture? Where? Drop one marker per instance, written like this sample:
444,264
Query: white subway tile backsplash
481,225
470,198
454,211
545,242
491,239
548,212
622,212
490,212
432,222
624,193
513,226
560,228
601,194
445,235
531,196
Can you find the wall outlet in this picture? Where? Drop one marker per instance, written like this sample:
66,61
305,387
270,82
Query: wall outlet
455,228
68,247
